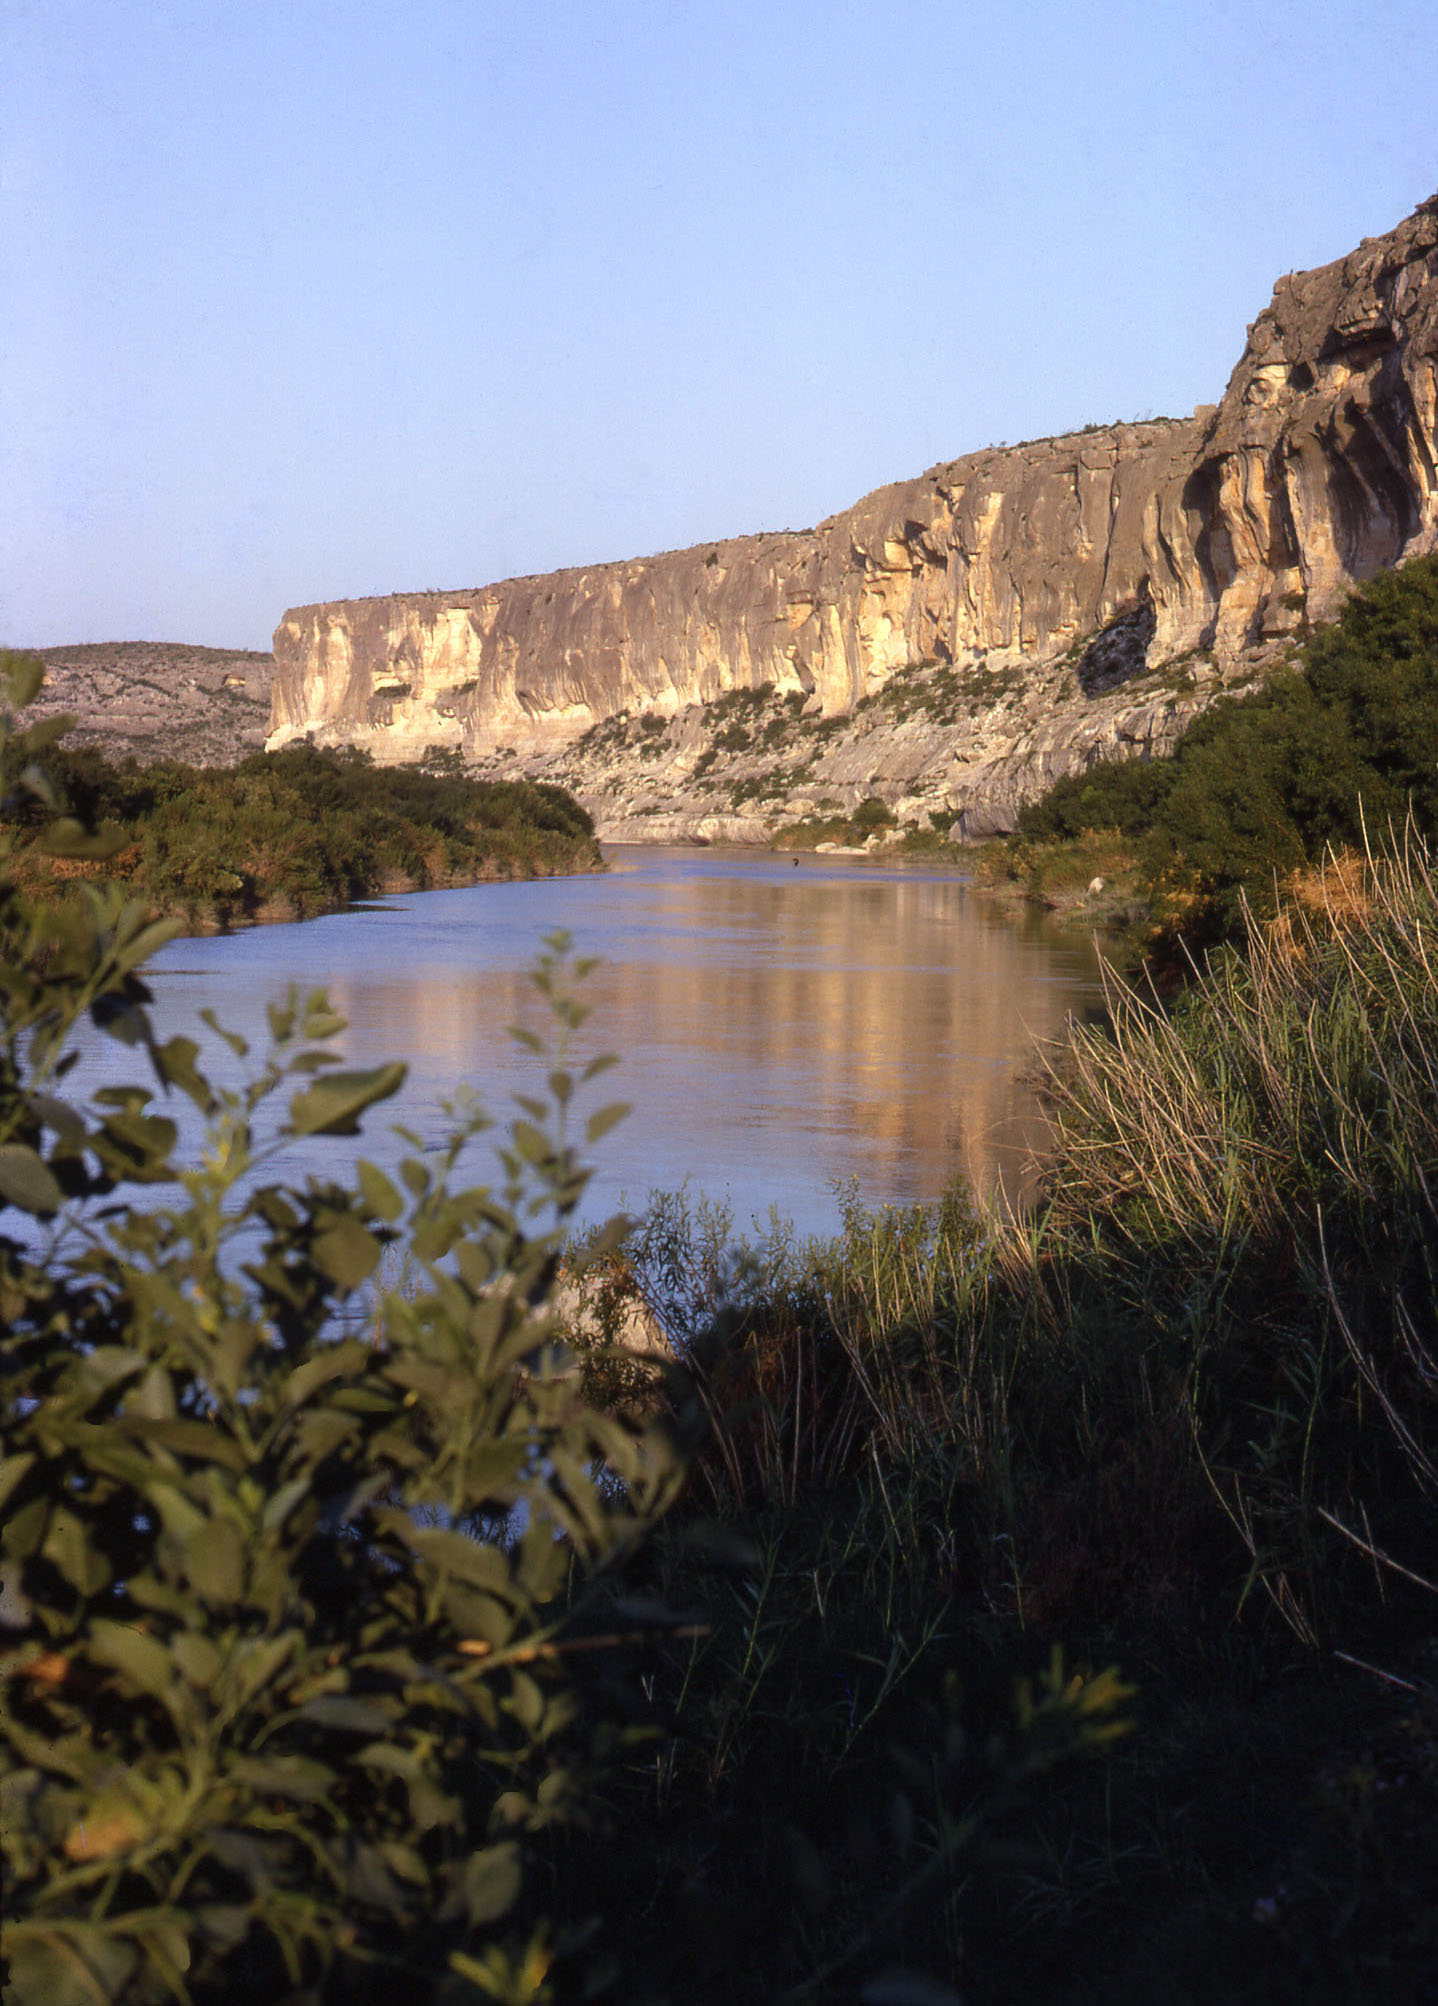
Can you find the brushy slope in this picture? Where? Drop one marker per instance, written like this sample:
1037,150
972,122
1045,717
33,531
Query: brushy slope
1338,748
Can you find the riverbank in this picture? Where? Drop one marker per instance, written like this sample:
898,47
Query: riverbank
1180,1422
198,922
282,836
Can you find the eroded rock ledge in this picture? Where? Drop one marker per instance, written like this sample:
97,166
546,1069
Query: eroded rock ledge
1185,549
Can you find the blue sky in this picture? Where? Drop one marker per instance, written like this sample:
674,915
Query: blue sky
307,300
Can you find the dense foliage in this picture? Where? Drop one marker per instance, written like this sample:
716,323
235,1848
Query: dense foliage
1335,750
292,1560
301,831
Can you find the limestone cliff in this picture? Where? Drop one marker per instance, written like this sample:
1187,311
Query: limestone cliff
1118,551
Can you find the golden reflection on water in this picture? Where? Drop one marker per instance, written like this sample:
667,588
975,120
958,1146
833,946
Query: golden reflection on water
780,1028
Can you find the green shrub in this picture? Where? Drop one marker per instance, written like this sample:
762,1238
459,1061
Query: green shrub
306,830
292,1560
1117,794
1341,746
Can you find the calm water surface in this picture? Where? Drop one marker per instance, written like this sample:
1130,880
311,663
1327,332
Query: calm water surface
780,1027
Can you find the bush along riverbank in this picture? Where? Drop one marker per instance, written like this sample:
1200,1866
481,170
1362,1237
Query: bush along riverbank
1339,747
283,835
967,1606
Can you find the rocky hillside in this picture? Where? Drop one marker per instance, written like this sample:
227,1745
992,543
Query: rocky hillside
159,700
951,643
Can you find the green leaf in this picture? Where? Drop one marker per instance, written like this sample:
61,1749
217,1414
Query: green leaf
67,1964
224,1923
153,1399
135,1656
106,1366
333,1361
351,1715
332,1105
12,1469
281,1019
215,1562
121,1018
295,1776
23,1531
347,1252
26,1181
452,1553
197,1658
148,1592
477,1615
491,1881
24,674
138,1144
238,1045
320,1019
257,1665
379,1194
201,1440
285,1499
68,1544
526,1703
66,1121
405,1861
140,938
605,1118
176,1064
48,731
531,1144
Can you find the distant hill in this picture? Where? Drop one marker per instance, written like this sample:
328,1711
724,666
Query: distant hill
162,699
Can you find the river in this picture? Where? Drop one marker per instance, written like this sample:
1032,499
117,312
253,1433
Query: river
781,1027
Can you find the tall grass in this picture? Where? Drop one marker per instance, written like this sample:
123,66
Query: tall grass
1183,1414
1221,1318
1269,1151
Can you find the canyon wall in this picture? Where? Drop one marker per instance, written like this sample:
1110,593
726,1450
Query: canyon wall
1215,535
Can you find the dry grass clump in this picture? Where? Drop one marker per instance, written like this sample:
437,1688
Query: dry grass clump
1267,1080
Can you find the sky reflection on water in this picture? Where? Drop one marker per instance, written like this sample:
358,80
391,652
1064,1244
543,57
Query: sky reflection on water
780,1027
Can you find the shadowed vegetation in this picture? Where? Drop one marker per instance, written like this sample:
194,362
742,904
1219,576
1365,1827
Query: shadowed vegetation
1184,1418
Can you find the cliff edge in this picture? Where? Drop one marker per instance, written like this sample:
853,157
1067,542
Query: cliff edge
1077,565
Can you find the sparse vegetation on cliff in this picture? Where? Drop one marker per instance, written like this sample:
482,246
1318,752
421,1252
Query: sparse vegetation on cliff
152,699
1338,747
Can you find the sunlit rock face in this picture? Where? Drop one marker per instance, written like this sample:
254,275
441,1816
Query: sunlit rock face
1215,534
